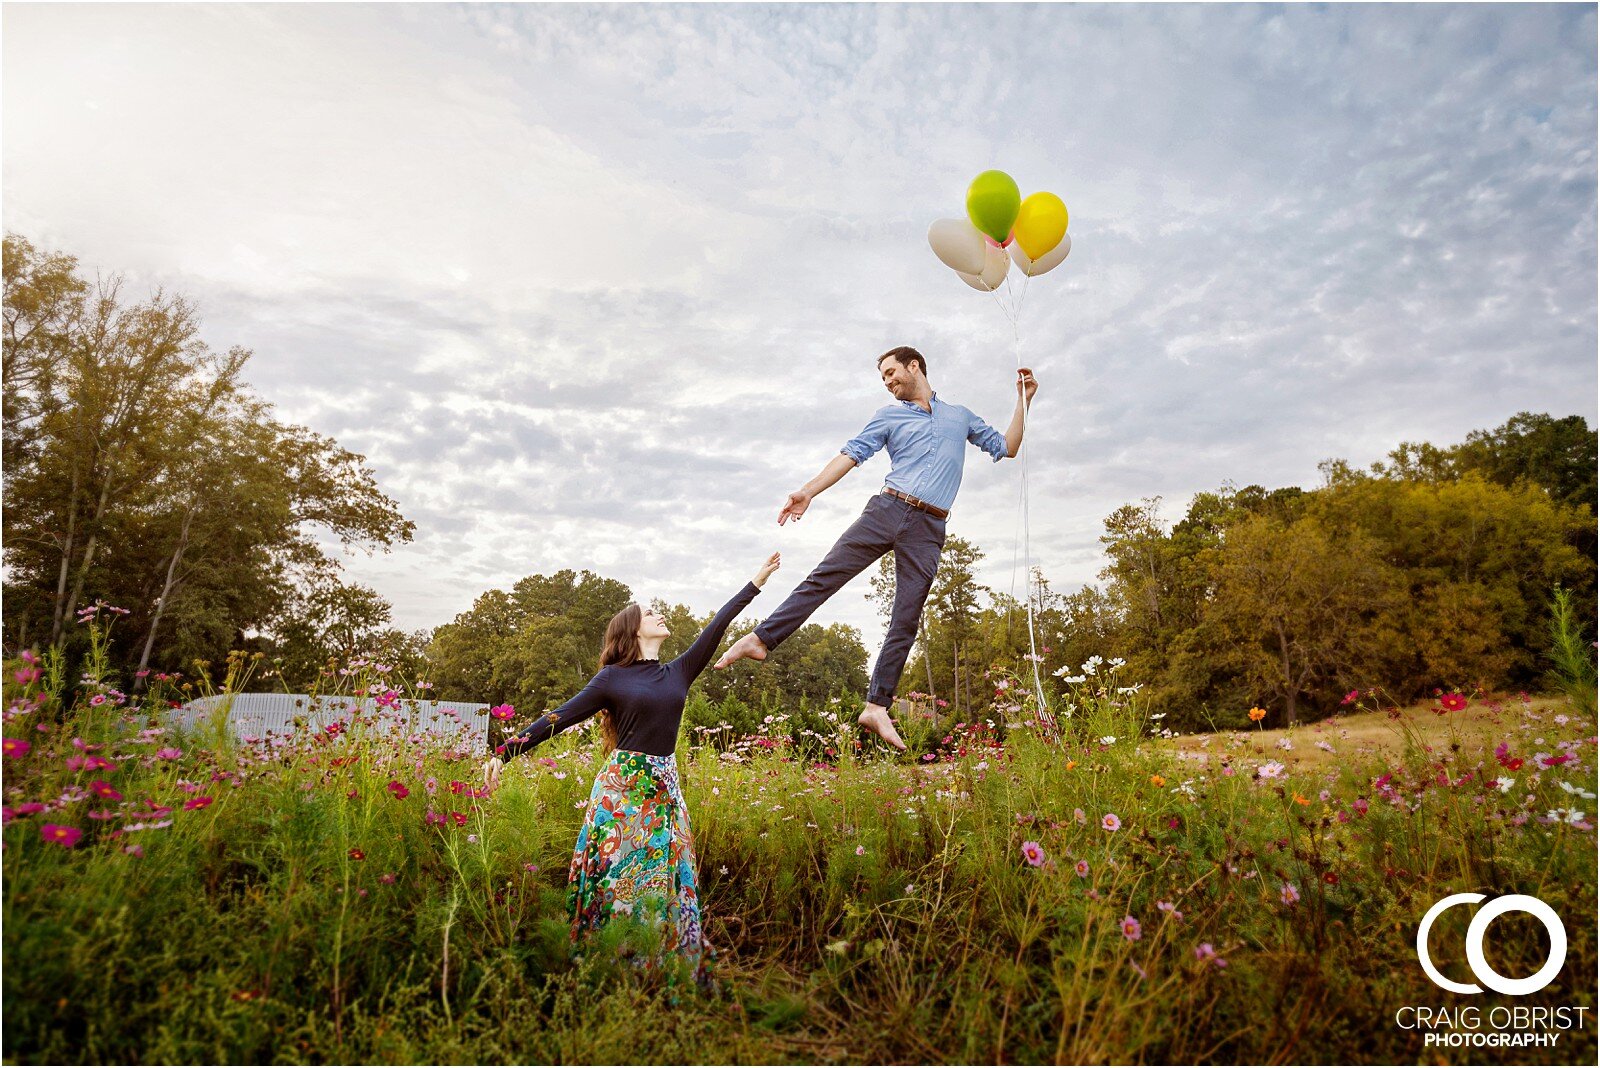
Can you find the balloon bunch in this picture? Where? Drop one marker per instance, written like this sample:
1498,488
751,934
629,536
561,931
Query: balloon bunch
1002,230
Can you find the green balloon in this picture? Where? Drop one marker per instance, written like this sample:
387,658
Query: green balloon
993,201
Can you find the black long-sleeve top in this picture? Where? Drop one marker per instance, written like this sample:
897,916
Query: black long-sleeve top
645,698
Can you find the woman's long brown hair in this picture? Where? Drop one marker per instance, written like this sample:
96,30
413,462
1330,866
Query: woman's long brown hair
621,649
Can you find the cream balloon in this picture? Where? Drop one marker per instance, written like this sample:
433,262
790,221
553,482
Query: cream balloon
1050,260
959,245
994,270
996,264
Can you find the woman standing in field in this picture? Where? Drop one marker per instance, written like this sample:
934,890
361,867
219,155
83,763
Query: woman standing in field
635,851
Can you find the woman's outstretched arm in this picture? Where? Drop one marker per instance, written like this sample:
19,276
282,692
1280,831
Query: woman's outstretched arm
589,700
694,661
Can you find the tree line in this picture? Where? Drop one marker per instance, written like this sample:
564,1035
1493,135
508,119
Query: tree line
141,469
1433,569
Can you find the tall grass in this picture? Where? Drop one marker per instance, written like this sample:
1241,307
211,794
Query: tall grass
998,896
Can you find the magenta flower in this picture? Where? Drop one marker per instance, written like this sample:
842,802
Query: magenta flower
399,789
197,802
1111,821
98,763
16,747
26,676
101,788
503,711
1033,853
66,837
1130,929
434,819
1082,868
387,878
134,850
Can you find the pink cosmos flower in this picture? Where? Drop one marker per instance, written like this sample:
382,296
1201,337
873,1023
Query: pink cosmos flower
16,747
133,850
26,676
861,851
1289,895
435,819
1130,929
1033,853
168,753
1205,952
1082,868
197,802
1452,702
399,789
503,711
1167,906
1111,821
460,818
101,788
387,878
97,700
66,837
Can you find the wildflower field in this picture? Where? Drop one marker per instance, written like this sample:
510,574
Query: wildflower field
355,894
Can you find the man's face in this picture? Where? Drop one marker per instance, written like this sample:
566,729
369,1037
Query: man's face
899,378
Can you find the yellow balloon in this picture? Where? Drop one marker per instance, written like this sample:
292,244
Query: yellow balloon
1040,224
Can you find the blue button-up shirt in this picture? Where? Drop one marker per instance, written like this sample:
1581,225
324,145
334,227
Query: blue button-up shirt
925,448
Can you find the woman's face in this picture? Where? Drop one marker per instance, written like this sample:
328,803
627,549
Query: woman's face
651,624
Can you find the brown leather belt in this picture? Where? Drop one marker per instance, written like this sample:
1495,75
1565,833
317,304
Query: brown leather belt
921,506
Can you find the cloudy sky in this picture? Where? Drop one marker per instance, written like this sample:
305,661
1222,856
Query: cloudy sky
595,287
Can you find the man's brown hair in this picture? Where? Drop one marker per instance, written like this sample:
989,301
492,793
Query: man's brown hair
904,355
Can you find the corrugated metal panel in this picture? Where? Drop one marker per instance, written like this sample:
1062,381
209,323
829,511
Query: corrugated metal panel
255,715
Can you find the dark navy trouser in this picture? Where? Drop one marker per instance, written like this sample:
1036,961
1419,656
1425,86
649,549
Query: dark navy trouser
885,523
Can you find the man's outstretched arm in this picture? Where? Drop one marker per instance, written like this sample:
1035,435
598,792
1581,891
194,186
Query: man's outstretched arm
795,506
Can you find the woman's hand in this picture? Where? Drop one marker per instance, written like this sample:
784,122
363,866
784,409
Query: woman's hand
491,772
773,563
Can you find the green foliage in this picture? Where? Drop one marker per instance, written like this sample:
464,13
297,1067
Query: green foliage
141,470
1573,655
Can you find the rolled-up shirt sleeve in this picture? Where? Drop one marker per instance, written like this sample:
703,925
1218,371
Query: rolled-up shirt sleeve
865,445
986,437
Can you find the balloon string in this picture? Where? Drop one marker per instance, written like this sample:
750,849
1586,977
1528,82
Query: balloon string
1045,716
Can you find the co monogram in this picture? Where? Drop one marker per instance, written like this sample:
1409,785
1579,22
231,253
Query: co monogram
1474,944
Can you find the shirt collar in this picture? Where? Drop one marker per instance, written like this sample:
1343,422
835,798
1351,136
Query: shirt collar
933,399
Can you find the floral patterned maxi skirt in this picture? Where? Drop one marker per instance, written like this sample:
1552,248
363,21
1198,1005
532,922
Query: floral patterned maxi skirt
635,857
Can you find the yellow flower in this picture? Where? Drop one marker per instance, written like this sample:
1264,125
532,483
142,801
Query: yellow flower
1071,764
1156,780
1258,714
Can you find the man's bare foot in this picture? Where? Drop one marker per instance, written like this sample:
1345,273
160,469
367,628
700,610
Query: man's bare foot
876,719
748,646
